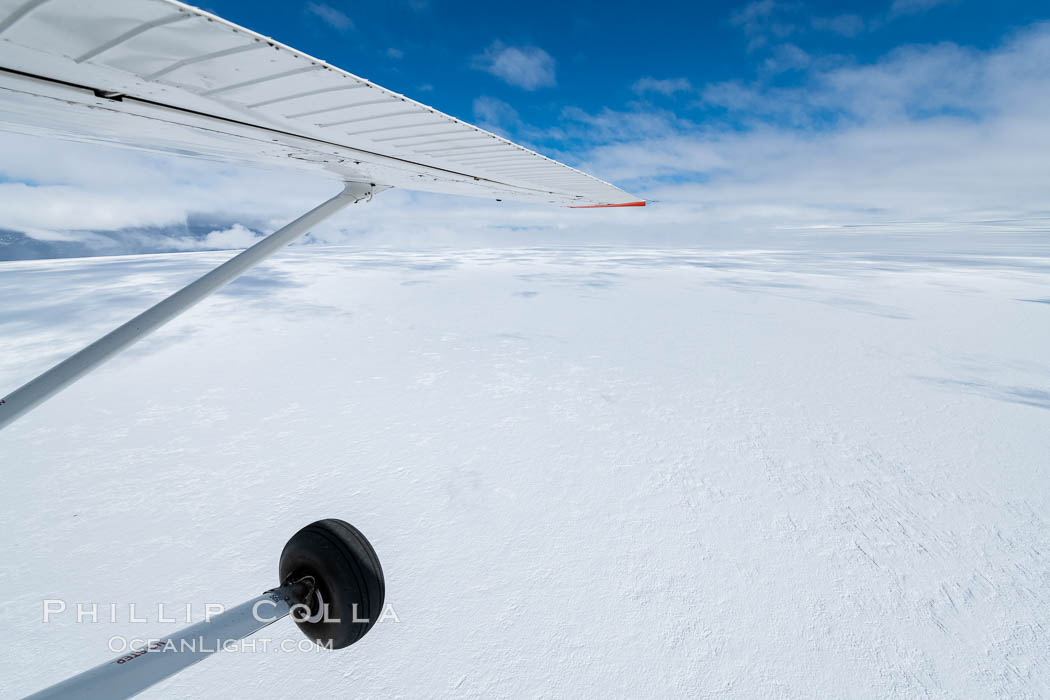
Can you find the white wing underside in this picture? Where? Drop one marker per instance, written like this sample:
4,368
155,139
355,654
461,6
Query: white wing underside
165,76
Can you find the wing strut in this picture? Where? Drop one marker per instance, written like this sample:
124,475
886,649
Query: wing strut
63,374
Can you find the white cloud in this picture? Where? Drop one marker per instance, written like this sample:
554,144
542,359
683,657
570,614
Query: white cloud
234,237
787,57
769,22
765,20
492,112
395,53
527,67
333,17
111,197
609,125
665,86
501,118
52,210
911,81
930,136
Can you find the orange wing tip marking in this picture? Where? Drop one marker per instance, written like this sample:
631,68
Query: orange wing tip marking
602,206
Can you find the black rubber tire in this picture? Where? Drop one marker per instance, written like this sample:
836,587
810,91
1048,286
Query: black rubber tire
346,572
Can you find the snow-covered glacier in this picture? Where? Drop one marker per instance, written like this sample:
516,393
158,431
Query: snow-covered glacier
587,472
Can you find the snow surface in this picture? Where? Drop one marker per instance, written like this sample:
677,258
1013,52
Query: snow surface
587,473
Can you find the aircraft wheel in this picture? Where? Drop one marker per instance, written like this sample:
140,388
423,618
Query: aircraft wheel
348,585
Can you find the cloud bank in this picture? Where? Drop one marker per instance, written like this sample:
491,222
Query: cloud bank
928,134
928,139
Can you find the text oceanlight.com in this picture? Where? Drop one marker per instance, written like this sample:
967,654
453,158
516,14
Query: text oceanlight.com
136,647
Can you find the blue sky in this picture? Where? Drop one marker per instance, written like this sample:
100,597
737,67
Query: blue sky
593,55
760,123
601,49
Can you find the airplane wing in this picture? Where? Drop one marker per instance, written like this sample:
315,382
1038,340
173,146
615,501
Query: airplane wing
165,76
